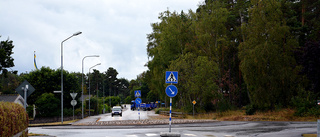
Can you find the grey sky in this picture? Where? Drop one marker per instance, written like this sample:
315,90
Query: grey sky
114,29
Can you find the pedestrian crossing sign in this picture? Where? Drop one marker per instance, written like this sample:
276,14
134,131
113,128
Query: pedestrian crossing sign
172,77
137,93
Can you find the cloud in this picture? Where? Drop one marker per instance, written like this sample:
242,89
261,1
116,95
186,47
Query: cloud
115,30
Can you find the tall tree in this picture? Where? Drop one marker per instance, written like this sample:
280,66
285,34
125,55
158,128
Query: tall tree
267,56
47,80
6,61
166,43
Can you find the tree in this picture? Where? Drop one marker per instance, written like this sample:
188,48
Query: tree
267,56
166,43
111,78
6,61
197,81
47,105
47,80
9,83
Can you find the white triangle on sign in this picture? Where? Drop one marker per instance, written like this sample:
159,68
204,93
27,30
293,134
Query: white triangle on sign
171,78
73,95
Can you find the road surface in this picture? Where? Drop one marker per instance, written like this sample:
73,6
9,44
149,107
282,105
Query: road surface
128,114
213,129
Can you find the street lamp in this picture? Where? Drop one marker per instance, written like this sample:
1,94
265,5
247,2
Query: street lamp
110,91
75,34
82,79
89,83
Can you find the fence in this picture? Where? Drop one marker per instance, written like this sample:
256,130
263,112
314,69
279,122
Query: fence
173,114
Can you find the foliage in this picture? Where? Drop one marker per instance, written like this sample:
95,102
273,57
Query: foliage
13,119
47,105
306,104
311,64
251,109
267,61
249,47
30,111
9,83
6,61
128,100
47,80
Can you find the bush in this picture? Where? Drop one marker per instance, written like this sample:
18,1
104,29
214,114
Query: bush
30,111
305,104
47,105
251,109
68,112
13,119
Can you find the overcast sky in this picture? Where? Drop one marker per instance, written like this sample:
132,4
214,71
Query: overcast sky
114,29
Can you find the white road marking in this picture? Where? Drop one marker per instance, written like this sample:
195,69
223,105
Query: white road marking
149,135
131,136
193,135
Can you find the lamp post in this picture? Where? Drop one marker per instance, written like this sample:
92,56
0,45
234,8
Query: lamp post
82,79
109,91
89,84
75,34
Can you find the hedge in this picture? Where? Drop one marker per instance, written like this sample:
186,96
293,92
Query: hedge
13,119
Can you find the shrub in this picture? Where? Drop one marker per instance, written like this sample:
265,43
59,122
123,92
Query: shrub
13,119
251,109
47,105
305,104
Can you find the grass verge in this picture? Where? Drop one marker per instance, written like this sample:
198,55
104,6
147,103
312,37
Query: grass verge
239,115
33,134
53,124
309,135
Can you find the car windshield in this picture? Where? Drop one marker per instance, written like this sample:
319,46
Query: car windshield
116,109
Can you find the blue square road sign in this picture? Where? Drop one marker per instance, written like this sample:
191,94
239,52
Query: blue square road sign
172,77
137,93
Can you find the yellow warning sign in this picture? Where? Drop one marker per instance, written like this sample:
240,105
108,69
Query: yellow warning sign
194,102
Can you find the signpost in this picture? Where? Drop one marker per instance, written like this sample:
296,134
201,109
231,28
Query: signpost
171,90
138,102
193,102
25,89
73,102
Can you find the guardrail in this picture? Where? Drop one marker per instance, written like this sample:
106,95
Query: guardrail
173,114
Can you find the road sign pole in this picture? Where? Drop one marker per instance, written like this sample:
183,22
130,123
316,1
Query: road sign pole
193,111
170,115
73,112
139,112
25,97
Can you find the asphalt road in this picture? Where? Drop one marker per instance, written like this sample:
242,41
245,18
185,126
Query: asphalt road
213,129
128,114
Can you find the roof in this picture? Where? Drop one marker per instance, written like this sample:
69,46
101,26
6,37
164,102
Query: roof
9,98
16,98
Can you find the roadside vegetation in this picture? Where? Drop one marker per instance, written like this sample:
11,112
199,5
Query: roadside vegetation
240,115
252,58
